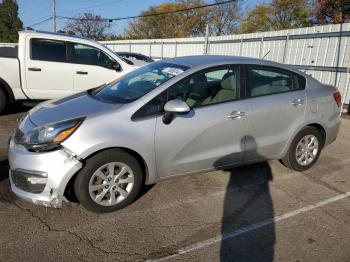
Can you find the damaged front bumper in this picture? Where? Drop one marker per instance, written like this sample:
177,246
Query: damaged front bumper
41,178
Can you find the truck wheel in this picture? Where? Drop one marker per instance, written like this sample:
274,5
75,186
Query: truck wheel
305,149
109,181
3,100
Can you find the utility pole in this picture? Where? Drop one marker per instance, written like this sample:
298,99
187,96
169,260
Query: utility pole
54,15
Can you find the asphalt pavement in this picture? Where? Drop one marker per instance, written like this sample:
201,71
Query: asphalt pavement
262,212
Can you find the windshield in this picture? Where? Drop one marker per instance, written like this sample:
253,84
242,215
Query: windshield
138,83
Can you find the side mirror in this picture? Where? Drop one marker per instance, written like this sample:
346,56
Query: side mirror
115,65
176,106
172,107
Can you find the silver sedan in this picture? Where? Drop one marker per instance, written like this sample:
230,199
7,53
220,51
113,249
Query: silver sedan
170,118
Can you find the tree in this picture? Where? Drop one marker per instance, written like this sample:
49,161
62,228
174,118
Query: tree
259,19
278,15
225,19
9,21
332,11
89,25
178,24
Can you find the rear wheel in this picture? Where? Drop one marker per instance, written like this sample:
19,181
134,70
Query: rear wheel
109,181
304,150
3,100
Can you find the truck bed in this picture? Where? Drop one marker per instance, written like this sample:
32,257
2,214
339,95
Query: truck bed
9,52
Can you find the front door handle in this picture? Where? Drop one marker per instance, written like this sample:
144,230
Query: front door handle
82,73
236,115
297,102
36,69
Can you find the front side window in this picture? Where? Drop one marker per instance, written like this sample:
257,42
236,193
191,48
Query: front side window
88,55
208,87
265,81
138,83
48,50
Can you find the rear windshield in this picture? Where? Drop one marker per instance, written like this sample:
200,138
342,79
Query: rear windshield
138,83
9,52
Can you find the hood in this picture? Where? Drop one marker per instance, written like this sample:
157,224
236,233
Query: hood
139,63
75,106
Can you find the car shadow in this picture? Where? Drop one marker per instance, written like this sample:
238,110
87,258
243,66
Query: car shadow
15,108
247,202
4,170
6,194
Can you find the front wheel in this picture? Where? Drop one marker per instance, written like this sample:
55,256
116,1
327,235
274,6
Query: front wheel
110,180
305,149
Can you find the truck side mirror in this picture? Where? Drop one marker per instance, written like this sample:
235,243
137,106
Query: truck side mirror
115,66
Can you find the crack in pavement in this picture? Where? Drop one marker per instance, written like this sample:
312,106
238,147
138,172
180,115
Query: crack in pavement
86,240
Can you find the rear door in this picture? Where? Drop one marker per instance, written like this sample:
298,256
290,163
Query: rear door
211,135
92,67
47,71
277,103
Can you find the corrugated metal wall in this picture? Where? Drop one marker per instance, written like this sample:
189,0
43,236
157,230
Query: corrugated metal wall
322,51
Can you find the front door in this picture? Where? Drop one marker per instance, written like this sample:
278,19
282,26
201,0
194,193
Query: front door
211,135
92,67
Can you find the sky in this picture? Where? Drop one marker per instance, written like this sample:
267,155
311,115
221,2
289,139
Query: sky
33,11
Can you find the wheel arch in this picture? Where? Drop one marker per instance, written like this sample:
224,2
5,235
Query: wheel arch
320,128
69,187
8,91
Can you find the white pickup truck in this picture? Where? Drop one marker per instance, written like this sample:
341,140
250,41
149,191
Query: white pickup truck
47,66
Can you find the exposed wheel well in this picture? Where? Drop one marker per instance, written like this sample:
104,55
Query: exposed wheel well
6,88
69,190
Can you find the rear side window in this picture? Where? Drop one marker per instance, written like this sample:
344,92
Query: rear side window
266,81
48,50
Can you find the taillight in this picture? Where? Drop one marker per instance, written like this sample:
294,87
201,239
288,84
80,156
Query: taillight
337,98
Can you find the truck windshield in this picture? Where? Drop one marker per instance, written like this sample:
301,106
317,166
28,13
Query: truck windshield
138,83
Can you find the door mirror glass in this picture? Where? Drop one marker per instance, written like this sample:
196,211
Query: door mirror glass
115,65
176,106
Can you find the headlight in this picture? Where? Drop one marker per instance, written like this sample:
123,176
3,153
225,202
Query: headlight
47,137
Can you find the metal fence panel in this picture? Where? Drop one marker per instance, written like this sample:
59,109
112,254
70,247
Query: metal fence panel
322,51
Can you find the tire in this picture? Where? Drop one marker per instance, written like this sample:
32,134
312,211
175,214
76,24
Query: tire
3,101
307,156
95,187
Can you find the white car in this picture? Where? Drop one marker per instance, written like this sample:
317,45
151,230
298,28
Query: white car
46,66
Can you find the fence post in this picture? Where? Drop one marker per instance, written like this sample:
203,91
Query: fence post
150,49
206,40
129,45
161,50
261,46
285,49
346,91
338,55
241,47
175,48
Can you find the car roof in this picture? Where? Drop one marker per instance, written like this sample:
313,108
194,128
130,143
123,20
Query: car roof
200,60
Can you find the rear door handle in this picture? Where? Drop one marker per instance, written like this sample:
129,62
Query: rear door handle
236,115
82,73
36,69
297,102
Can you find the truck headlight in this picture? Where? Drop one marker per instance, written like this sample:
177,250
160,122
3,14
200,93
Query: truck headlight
48,137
